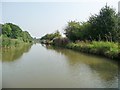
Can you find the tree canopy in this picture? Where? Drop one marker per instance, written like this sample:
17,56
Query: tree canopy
15,32
51,36
102,26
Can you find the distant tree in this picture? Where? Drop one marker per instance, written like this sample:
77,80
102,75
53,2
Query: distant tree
57,34
51,36
26,37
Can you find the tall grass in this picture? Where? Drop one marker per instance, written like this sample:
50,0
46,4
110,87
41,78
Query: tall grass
108,49
7,42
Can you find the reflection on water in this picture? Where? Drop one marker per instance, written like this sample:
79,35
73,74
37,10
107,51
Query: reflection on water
14,53
50,67
107,69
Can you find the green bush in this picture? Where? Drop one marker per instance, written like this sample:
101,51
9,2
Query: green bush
7,42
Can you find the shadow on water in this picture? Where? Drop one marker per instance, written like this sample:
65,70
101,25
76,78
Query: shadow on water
107,69
12,54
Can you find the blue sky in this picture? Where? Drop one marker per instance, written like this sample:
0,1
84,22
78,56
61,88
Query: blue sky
40,18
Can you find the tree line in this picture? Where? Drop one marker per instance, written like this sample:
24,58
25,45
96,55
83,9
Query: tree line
51,36
104,26
13,31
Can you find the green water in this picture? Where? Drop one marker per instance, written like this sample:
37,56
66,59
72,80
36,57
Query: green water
40,66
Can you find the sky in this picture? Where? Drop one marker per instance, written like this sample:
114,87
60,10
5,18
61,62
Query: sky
42,17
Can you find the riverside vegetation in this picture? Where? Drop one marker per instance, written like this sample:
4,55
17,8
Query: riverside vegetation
12,36
99,35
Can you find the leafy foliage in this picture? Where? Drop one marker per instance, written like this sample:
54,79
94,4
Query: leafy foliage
13,31
104,26
51,36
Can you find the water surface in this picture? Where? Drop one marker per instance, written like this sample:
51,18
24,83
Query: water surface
40,66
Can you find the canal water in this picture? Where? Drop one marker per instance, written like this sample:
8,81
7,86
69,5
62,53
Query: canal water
40,66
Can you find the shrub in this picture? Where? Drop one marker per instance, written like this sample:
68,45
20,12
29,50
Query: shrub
60,41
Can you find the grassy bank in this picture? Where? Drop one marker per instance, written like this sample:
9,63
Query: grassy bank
99,38
107,49
10,43
102,48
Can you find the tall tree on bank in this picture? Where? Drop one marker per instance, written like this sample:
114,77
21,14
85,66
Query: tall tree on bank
103,26
118,29
72,30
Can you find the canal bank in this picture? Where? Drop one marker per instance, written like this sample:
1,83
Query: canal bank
101,48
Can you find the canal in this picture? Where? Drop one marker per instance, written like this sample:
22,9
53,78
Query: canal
40,66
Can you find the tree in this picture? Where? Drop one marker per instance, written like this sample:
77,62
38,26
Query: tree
6,30
51,36
16,30
0,29
104,24
118,29
26,37
72,29
13,31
